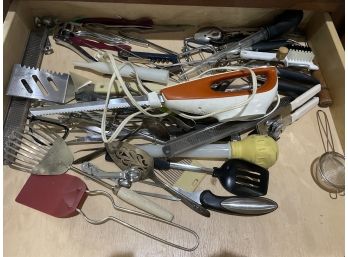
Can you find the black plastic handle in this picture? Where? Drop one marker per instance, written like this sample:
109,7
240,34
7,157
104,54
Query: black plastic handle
284,22
297,76
161,164
292,86
247,206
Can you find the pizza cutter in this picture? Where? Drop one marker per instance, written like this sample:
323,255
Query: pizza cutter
63,196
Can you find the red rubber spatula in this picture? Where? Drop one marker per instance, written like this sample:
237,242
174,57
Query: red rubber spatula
58,196
62,196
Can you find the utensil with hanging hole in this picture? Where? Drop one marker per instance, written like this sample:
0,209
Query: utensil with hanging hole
237,176
41,85
235,205
63,196
48,154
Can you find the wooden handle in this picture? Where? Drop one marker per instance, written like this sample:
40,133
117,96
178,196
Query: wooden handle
325,99
144,204
282,53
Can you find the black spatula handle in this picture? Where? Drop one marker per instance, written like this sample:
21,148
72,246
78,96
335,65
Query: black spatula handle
237,205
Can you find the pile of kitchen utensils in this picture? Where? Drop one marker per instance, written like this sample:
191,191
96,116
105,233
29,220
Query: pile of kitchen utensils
228,96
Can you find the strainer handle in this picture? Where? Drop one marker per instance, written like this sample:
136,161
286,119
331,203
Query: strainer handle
333,195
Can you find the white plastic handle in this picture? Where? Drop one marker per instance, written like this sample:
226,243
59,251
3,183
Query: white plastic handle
300,100
304,109
264,56
144,204
211,151
150,74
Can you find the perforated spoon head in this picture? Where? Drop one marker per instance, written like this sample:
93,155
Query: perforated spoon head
243,178
126,155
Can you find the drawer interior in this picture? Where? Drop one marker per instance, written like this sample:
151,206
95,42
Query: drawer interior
319,29
304,209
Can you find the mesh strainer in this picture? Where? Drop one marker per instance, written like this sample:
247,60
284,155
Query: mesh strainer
328,173
328,169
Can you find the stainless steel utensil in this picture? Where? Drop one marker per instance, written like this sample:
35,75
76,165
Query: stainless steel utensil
41,85
123,178
128,176
15,116
204,136
328,172
43,152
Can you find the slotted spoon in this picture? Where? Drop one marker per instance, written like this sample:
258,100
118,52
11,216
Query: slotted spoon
237,176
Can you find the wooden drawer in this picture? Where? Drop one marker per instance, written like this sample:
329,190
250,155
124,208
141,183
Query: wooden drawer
307,222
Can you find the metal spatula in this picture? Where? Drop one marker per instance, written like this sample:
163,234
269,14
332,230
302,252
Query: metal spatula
63,196
41,85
